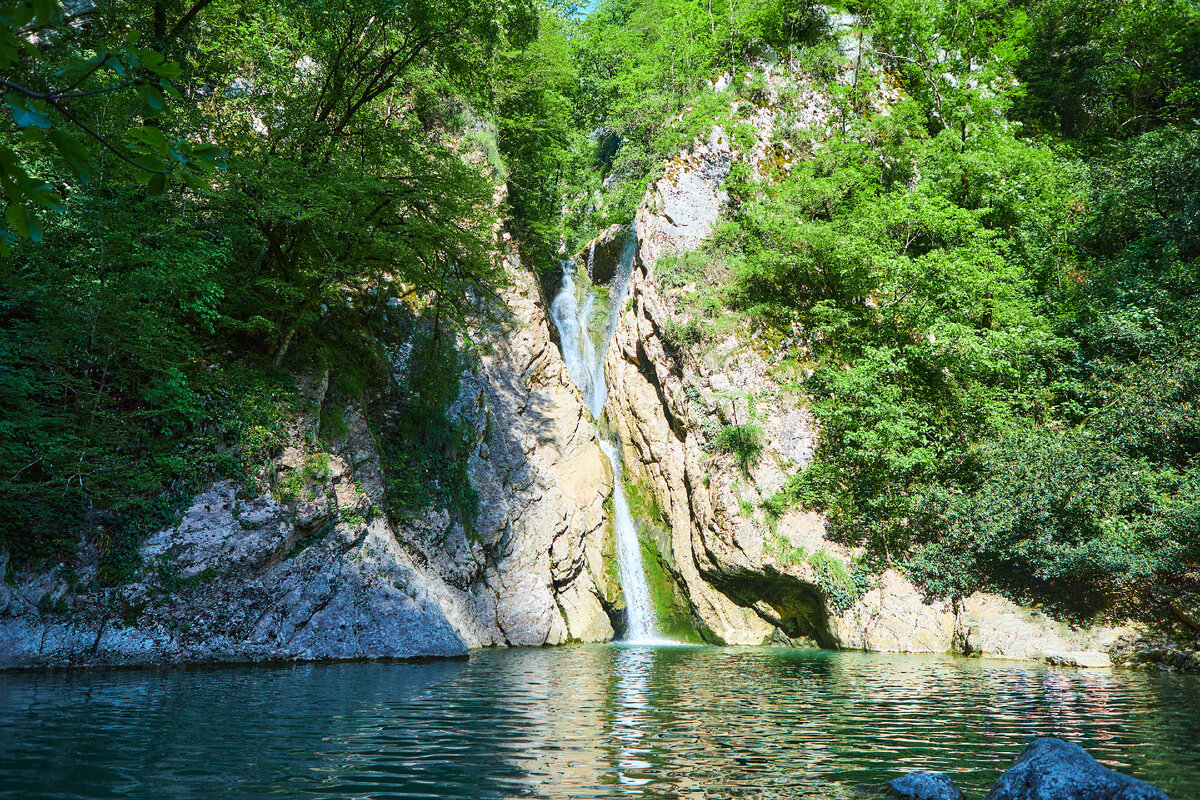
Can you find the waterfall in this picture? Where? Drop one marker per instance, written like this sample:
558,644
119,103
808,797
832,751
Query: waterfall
585,335
639,611
576,319
578,350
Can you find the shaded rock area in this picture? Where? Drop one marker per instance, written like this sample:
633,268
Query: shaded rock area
1160,650
532,572
1047,769
923,786
238,580
320,572
1051,769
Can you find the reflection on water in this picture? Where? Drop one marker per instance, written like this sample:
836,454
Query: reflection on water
631,717
594,721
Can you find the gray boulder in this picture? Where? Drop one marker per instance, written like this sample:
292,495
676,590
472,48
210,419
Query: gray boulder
1051,769
924,786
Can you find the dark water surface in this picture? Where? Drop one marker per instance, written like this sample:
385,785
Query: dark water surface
589,721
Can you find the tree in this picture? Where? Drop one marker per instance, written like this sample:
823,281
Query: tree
51,80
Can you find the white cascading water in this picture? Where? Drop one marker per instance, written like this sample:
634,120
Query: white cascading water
639,611
578,350
584,357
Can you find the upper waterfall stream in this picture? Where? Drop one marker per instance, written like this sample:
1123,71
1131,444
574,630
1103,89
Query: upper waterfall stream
585,328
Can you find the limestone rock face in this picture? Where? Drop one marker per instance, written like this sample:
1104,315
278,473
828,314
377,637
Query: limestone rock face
325,575
996,627
529,573
663,411
238,580
893,617
1051,769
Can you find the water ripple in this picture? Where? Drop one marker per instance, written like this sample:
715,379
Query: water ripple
587,722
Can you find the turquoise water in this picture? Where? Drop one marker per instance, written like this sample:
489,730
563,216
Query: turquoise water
587,721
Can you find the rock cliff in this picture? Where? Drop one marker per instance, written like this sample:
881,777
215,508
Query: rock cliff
747,578
326,575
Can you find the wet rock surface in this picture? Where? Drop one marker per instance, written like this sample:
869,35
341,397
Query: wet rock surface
1051,769
923,786
1047,769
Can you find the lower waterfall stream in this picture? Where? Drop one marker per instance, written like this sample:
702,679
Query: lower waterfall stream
585,336
639,610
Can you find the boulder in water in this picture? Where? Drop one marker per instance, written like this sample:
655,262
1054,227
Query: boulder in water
923,786
1051,769
918,786
1084,659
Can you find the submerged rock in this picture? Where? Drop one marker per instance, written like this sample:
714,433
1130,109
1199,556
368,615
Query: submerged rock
1084,659
923,786
1051,769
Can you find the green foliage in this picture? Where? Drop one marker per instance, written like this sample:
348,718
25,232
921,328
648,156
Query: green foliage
842,585
672,611
304,482
782,549
425,452
539,140
743,442
1099,69
647,70
47,92
53,605
1001,330
148,337
167,580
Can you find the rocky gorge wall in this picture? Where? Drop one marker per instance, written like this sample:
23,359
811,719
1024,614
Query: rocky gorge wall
747,579
327,575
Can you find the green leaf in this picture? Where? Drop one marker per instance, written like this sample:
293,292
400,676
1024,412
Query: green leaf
77,156
10,48
153,98
45,196
27,112
158,184
150,135
18,219
208,152
149,163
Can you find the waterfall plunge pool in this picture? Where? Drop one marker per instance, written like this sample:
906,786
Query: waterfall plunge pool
579,721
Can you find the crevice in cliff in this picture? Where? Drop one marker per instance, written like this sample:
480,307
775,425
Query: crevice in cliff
795,607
